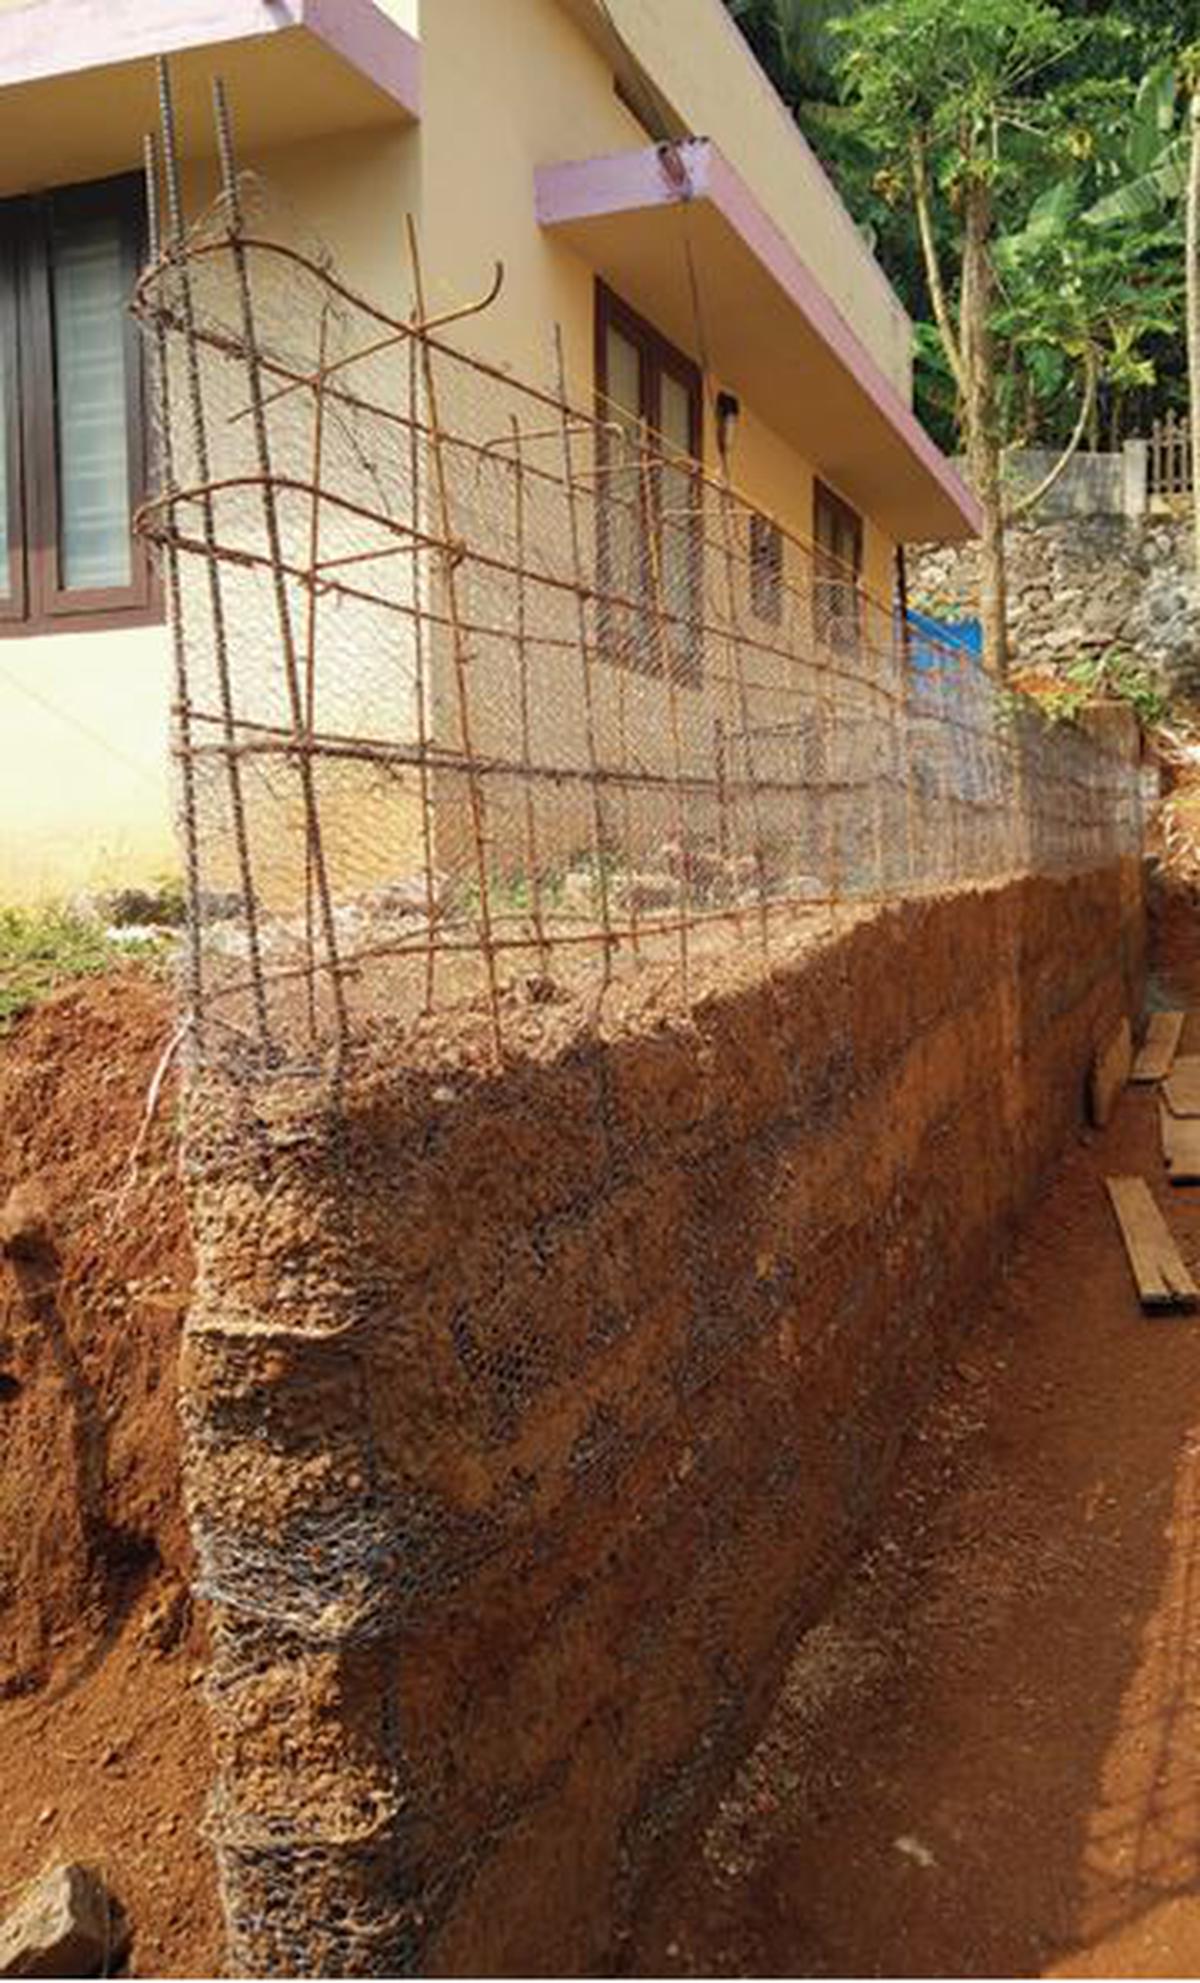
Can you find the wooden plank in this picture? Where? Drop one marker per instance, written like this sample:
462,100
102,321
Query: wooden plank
1110,1069
1181,1146
1160,1276
1159,1049
1182,1086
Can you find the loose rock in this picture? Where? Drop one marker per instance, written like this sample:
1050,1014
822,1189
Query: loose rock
64,1924
25,1221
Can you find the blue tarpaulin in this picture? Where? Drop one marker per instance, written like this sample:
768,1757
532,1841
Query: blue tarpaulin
967,635
949,704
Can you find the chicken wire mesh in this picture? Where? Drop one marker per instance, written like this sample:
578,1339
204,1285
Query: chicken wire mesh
485,698
476,686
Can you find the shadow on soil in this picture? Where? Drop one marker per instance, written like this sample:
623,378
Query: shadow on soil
121,1562
986,1759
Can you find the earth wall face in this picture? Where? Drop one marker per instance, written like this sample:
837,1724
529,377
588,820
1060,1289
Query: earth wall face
530,1414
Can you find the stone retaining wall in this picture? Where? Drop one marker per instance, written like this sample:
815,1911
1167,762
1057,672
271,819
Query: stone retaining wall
1078,586
530,1414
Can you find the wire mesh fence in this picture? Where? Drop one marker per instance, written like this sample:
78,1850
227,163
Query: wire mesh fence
497,714
477,685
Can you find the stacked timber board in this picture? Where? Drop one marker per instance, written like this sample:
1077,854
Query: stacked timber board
1160,1274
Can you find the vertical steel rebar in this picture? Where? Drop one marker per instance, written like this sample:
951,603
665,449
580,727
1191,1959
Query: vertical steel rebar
602,486
475,789
871,769
721,779
585,652
728,533
251,356
178,258
833,740
905,686
310,655
531,838
428,822
182,713
652,515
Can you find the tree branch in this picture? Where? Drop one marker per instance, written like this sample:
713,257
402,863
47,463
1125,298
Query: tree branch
933,268
1034,496
1192,254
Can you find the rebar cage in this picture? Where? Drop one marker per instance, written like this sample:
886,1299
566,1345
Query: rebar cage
478,688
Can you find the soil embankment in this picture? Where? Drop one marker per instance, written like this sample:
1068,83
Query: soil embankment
985,1760
103,1741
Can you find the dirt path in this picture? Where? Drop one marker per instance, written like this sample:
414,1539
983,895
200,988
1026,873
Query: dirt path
987,1760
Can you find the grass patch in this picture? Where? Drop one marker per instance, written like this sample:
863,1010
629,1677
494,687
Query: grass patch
43,948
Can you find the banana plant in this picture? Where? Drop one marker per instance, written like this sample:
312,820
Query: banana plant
1152,158
1080,308
1159,180
795,38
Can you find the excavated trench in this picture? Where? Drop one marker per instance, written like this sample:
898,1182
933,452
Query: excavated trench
980,1757
985,1760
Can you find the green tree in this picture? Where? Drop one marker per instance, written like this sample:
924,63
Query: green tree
1113,43
971,138
953,95
794,40
1158,172
1077,311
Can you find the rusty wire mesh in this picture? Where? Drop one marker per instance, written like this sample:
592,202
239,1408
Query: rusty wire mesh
496,714
477,686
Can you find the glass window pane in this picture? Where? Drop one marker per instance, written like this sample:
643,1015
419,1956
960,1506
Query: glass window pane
624,375
826,525
677,497
89,291
678,501
676,415
623,510
6,363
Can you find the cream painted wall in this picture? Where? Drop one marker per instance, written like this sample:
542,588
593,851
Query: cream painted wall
83,763
530,86
84,718
508,84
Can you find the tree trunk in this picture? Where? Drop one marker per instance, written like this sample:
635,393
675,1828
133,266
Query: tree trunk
1193,312
980,422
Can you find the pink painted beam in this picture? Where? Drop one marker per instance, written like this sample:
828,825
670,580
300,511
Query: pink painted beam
372,42
665,176
62,37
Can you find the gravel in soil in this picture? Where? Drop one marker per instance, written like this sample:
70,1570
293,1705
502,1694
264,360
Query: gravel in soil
986,1760
103,1741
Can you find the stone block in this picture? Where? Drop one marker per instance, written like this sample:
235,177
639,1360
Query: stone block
64,1924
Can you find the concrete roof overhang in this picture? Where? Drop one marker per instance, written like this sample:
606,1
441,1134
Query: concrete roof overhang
77,78
675,230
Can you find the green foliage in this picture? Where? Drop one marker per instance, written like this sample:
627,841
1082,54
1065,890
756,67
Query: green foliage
1116,674
793,41
951,73
1147,168
1071,296
43,948
1064,107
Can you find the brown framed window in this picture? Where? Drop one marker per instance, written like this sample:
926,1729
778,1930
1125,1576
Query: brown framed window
837,577
649,532
766,569
73,451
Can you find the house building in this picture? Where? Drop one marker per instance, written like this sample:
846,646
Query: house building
627,162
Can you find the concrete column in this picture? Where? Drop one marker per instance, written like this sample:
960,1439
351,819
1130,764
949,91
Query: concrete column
1136,479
